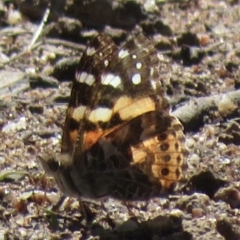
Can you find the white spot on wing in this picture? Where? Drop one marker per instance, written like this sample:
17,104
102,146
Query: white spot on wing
106,63
79,112
123,53
136,78
90,51
134,56
154,84
100,114
138,65
152,71
111,79
85,77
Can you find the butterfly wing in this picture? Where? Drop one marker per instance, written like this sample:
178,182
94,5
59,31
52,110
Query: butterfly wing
80,129
118,135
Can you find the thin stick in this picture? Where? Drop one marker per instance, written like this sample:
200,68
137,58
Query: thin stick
39,30
33,43
65,43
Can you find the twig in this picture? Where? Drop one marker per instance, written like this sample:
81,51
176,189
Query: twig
192,114
39,30
33,43
65,43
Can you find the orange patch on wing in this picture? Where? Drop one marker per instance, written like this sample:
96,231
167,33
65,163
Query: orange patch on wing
92,137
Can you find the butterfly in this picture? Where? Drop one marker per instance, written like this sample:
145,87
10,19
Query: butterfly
119,139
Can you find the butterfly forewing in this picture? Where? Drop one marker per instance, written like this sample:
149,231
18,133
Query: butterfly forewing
85,94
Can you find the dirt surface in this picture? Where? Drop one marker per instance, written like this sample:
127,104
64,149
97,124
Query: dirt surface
199,42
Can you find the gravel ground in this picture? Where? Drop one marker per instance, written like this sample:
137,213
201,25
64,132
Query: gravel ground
200,45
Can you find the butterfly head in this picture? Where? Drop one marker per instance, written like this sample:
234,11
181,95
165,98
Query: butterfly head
60,167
